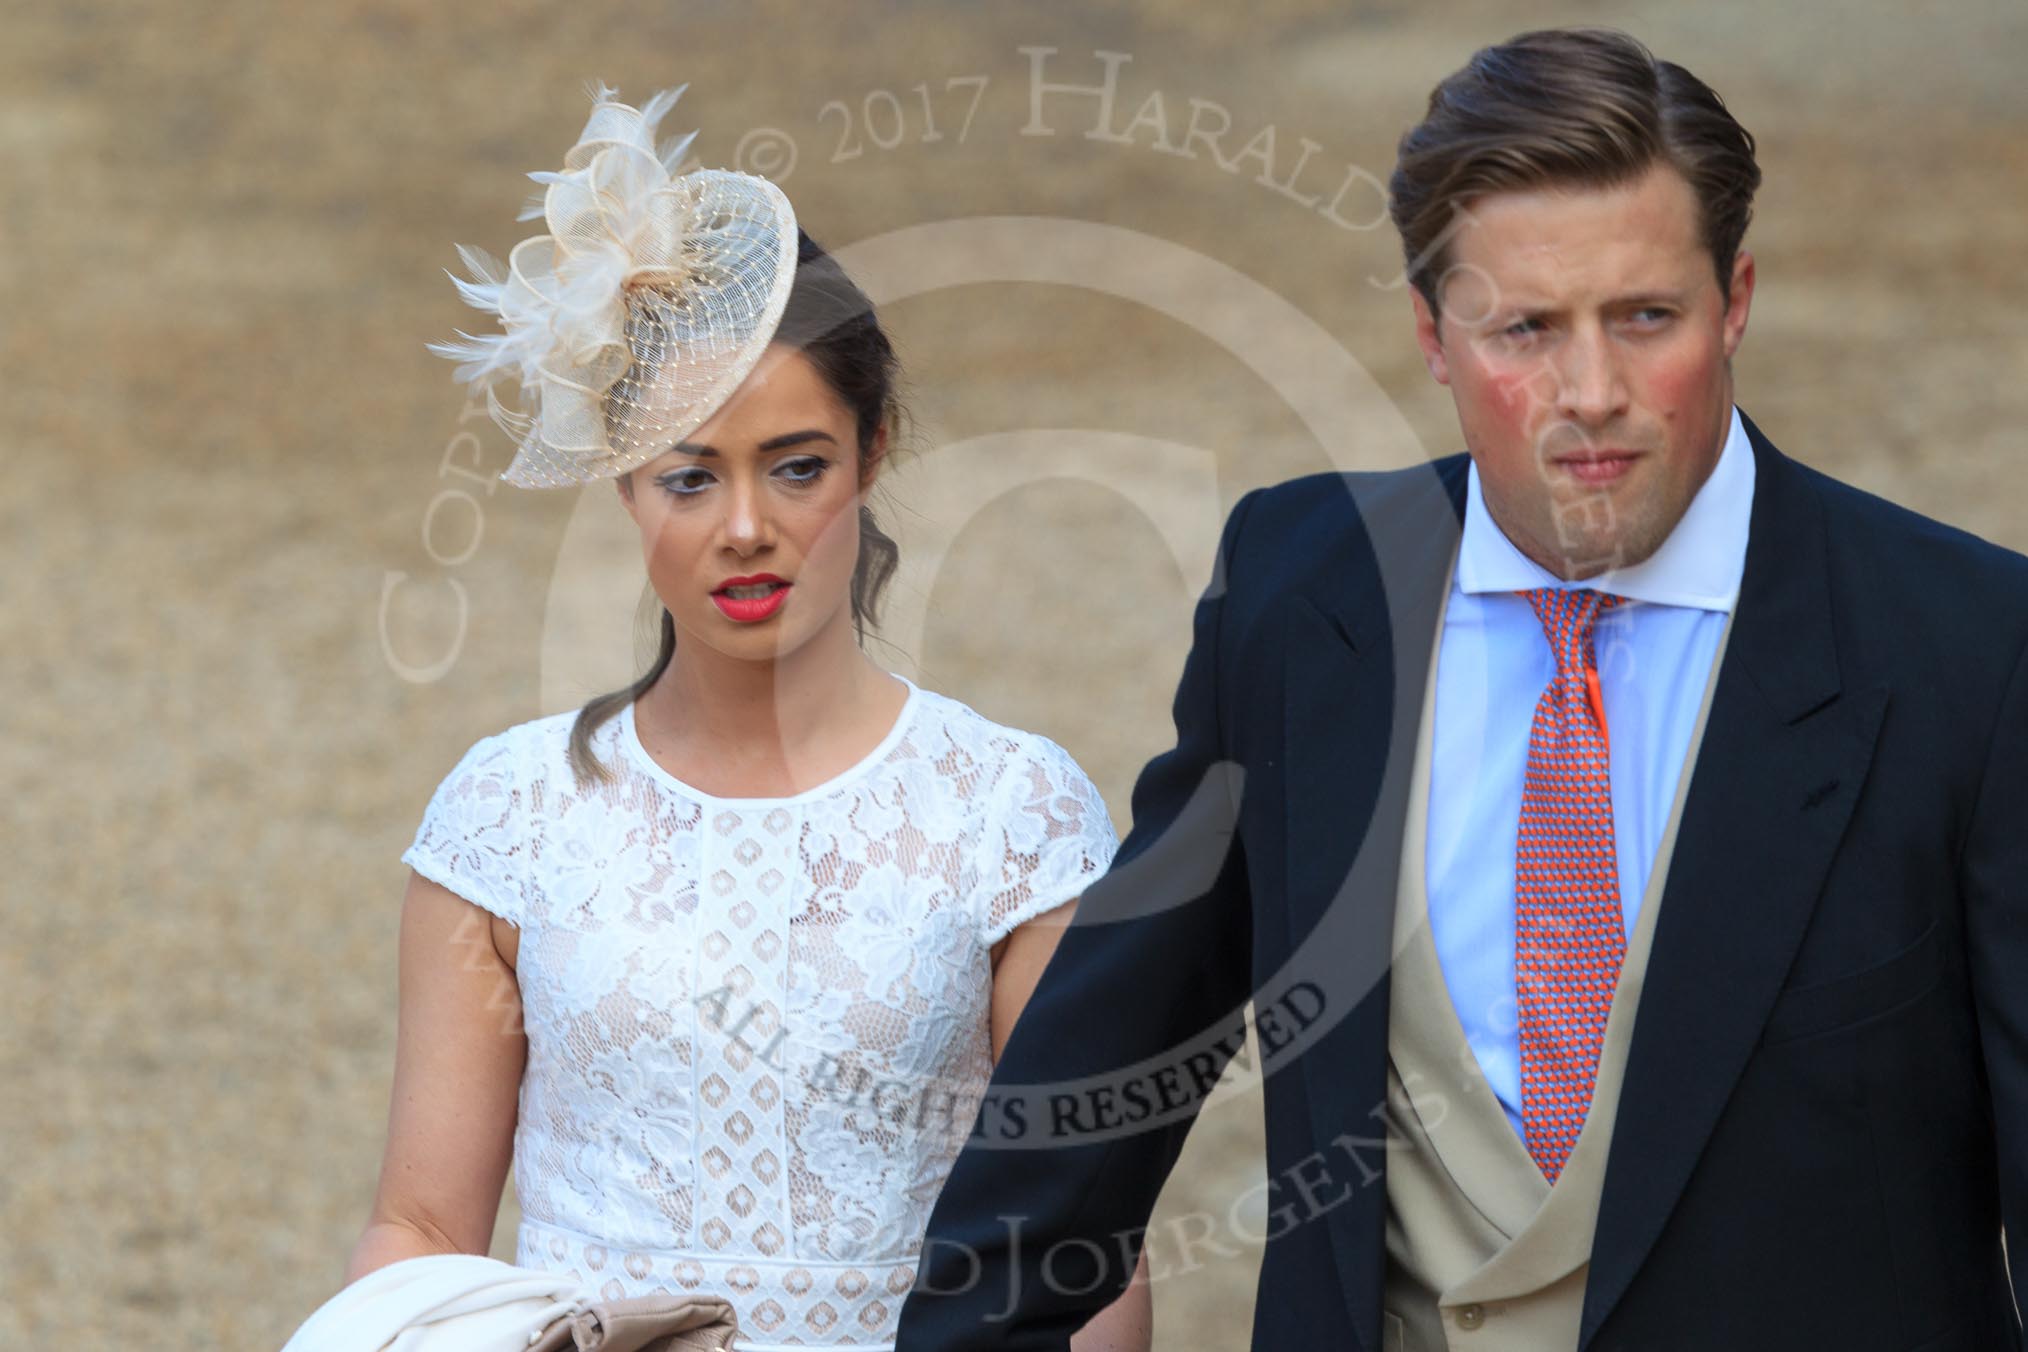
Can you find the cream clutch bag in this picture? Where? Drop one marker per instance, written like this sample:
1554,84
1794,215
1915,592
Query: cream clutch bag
467,1303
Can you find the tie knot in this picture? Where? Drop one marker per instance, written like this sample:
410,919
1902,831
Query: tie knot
1568,616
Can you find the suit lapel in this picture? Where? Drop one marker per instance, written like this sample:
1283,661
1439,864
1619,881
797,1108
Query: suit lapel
1357,640
1784,755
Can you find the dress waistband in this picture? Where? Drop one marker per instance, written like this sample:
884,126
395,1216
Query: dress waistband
780,1302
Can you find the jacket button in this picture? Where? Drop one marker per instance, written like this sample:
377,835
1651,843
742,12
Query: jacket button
1471,1316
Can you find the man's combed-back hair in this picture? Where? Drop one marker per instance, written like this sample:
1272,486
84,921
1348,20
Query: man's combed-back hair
1582,107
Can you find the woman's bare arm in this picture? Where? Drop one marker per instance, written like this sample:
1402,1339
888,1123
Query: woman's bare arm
457,1075
1126,1325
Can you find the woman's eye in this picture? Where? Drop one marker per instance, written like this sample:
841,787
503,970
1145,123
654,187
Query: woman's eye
805,470
686,481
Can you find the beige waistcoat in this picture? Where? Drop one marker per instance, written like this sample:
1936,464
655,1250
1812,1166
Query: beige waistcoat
1482,1253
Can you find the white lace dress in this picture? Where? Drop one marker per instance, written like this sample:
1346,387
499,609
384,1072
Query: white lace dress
757,1028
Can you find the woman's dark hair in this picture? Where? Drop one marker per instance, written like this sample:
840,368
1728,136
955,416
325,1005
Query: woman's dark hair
831,322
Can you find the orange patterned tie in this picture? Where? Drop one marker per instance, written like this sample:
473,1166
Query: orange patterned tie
1569,932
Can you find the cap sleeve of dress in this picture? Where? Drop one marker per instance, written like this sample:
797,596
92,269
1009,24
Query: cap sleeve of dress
1048,837
471,840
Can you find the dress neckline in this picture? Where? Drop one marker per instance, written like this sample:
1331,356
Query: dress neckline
630,744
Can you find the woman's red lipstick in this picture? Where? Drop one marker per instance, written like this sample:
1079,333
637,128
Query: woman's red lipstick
763,596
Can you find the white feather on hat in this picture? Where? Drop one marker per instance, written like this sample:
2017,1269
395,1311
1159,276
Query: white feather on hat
634,319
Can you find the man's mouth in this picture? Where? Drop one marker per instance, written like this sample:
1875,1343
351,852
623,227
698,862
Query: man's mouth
1597,467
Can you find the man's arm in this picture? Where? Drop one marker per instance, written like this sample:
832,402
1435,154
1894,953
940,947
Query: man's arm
1018,963
1040,1223
1995,880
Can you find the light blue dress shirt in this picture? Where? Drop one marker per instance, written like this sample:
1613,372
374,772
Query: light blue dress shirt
1493,663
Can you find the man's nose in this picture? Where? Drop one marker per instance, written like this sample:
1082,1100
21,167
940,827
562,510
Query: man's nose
1592,385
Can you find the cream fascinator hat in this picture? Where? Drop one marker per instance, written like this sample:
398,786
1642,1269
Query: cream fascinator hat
650,299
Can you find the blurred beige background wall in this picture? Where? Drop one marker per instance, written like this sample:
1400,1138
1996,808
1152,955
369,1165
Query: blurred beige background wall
261,591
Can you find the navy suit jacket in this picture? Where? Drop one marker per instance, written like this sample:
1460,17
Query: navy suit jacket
1824,1122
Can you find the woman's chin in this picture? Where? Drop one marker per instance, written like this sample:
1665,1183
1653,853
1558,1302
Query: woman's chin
774,639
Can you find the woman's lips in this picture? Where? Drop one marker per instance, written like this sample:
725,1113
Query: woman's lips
749,600
1604,467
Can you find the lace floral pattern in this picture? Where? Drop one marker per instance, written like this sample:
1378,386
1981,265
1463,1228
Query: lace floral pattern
758,1029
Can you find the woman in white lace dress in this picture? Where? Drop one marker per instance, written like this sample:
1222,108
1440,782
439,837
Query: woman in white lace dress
720,963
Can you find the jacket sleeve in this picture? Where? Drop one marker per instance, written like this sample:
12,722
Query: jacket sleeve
1040,1223
1994,876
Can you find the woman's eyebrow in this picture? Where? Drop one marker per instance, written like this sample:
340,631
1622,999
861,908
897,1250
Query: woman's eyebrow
788,439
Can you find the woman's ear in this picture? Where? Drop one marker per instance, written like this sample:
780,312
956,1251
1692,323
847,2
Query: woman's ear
625,483
872,458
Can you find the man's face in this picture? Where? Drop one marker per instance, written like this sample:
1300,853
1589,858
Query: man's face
1587,346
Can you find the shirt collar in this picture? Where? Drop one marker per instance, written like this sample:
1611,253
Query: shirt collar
1698,566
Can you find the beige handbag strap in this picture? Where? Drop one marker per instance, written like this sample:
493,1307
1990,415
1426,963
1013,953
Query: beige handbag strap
660,1323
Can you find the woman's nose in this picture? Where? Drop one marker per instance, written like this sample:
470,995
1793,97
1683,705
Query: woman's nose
746,525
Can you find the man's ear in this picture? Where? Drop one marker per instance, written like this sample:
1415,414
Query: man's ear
1429,337
1739,302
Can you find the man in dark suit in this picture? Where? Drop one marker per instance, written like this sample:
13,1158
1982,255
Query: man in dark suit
1620,831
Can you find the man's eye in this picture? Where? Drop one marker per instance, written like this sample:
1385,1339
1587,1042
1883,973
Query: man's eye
804,471
684,482
1651,314
1522,328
